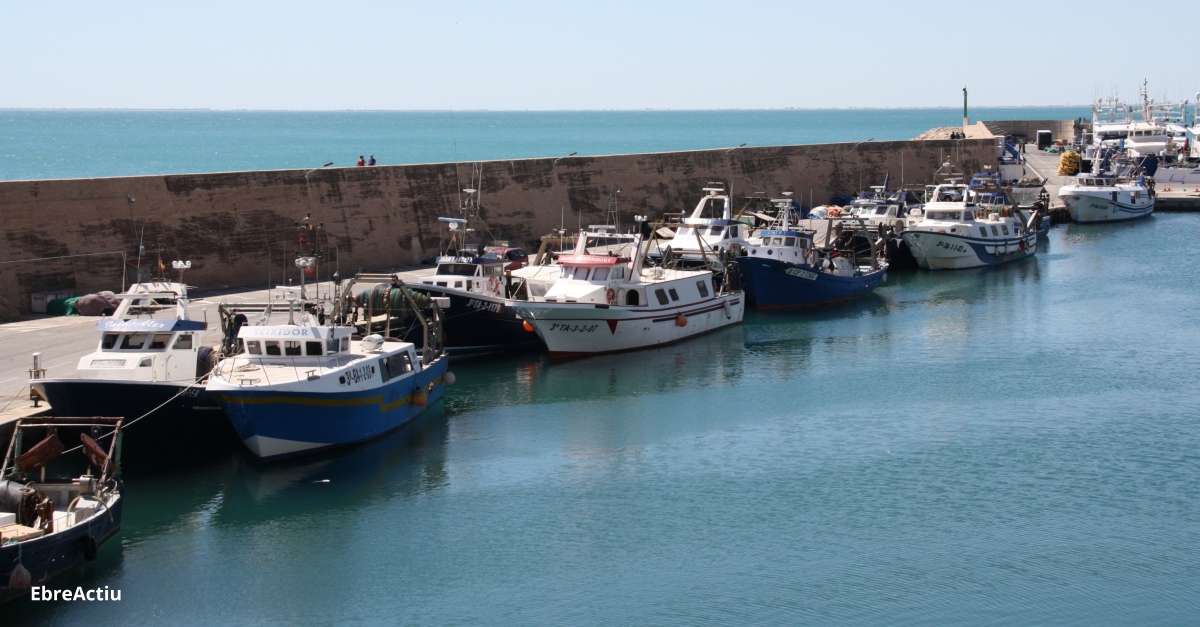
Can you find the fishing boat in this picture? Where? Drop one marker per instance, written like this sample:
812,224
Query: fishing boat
708,230
50,525
150,358
608,304
303,386
957,234
1095,199
783,268
477,284
990,196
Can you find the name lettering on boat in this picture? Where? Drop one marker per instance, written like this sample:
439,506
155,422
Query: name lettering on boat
358,374
804,274
483,305
958,248
574,328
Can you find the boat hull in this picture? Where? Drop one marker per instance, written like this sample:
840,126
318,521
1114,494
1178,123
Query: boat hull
187,416
280,423
474,324
774,284
948,251
581,329
49,556
1086,209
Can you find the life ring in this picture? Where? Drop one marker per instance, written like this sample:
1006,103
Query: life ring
611,295
494,284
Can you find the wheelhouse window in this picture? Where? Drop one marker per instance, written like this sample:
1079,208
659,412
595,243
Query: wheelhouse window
467,269
600,274
674,294
291,347
618,272
995,231
109,340
1004,227
703,289
716,231
662,297
791,241
345,343
312,348
733,231
134,341
183,342
254,347
160,341
273,348
983,231
331,346
581,274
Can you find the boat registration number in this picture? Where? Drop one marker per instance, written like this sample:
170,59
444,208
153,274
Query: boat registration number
483,306
804,274
358,374
958,248
574,328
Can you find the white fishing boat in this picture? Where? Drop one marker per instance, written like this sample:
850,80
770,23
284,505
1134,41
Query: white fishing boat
1110,121
1147,140
150,357
1093,199
958,234
708,230
607,304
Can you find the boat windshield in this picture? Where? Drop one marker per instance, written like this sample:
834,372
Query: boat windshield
457,269
945,215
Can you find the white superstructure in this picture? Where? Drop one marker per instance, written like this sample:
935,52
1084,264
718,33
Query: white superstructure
1094,199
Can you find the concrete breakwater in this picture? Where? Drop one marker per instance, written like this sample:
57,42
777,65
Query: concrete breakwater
238,228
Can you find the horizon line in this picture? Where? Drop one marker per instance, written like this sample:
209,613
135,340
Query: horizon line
645,110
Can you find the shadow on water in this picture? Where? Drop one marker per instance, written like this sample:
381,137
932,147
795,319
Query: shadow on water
534,379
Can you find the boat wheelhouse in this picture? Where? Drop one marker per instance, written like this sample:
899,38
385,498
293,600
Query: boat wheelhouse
708,230
960,235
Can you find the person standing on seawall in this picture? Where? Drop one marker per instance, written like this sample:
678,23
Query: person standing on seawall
372,161
361,161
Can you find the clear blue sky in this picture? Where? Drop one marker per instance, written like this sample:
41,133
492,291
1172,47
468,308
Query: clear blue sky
576,55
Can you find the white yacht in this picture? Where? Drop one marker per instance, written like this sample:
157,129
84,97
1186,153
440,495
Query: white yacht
1092,199
607,304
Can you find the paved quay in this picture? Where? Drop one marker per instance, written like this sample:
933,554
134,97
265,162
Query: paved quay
62,340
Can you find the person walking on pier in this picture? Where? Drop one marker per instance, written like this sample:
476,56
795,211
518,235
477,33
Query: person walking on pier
372,161
361,161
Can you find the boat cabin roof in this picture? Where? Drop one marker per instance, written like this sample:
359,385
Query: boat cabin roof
148,325
768,233
293,332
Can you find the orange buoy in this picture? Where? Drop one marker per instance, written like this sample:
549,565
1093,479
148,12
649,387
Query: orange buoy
681,320
528,327
419,397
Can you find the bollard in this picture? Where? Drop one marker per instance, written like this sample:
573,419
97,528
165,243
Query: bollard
36,373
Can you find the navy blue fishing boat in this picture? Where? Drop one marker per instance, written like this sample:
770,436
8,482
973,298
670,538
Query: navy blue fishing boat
784,269
48,525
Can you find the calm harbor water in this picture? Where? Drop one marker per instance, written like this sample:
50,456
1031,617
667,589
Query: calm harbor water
42,144
1010,446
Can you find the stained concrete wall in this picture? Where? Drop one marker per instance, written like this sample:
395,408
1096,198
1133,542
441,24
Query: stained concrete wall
238,228
1060,129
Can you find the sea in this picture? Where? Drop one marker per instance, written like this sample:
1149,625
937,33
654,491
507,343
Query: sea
1010,446
48,144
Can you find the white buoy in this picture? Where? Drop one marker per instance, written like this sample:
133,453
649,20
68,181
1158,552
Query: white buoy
448,378
372,342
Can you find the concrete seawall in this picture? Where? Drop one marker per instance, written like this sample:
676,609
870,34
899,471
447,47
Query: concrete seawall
238,228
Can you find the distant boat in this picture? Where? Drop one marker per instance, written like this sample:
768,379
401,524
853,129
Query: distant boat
708,230
783,268
1095,199
955,234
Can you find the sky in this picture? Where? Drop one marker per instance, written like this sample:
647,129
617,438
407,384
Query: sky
564,55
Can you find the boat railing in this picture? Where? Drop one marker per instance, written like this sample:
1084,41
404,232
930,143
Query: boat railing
303,368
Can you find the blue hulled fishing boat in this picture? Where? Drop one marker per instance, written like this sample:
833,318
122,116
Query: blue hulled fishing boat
783,268
297,388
